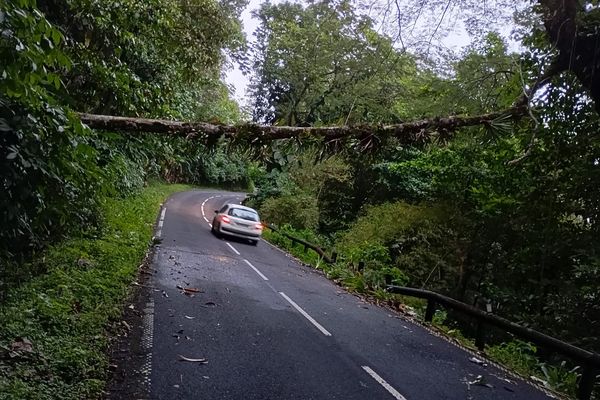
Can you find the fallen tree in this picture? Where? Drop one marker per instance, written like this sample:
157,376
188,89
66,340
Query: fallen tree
414,132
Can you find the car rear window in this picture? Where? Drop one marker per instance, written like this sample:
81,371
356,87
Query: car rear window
244,214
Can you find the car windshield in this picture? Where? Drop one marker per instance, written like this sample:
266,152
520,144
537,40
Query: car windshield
244,214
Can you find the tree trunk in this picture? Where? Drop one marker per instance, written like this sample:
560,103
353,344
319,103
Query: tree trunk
414,132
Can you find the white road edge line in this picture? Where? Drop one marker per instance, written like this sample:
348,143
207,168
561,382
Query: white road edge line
161,221
305,314
256,270
233,248
202,206
383,383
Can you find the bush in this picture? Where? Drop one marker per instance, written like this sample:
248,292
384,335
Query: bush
299,211
421,241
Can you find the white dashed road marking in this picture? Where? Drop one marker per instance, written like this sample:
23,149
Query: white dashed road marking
256,270
305,314
233,248
161,221
383,383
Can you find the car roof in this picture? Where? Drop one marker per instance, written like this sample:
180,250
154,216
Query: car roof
235,205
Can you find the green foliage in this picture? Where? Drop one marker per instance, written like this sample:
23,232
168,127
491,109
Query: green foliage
152,58
326,64
299,211
561,378
155,57
64,312
44,149
297,250
518,355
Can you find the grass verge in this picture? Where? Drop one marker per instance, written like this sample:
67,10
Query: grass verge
53,338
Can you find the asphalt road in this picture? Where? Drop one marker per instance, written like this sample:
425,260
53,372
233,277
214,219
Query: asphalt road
270,328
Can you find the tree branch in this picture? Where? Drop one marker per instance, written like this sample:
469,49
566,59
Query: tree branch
415,132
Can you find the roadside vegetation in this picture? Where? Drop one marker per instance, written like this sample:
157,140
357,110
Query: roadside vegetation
53,342
505,214
78,205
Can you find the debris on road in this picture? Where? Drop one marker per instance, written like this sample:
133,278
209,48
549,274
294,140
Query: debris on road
188,291
165,294
480,381
188,317
194,360
477,361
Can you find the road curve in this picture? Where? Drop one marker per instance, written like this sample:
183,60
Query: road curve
270,328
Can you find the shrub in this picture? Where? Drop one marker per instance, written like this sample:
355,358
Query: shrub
422,241
299,211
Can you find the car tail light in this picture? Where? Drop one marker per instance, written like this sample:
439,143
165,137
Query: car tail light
225,219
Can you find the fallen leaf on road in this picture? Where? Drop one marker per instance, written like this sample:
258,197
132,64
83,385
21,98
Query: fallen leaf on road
196,360
188,317
478,361
192,290
480,381
210,303
165,294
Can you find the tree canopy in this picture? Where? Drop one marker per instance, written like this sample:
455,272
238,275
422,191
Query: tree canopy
474,174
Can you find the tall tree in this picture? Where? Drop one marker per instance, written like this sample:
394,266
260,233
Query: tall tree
325,64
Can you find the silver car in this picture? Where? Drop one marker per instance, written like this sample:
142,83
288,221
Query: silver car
239,221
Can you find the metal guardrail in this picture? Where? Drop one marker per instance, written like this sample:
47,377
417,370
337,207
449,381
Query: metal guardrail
588,360
306,244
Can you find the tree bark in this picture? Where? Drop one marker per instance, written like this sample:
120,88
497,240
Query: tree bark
415,132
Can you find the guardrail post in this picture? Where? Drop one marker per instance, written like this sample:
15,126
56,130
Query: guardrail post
586,384
480,336
334,256
430,310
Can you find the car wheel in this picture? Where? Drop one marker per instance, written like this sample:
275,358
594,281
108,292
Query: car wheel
214,231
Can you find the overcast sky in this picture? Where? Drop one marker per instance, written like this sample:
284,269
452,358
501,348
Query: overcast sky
235,77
